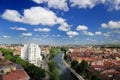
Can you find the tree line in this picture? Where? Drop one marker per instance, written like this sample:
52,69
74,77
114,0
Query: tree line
35,73
82,69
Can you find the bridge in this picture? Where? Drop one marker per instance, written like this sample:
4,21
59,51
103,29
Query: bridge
73,71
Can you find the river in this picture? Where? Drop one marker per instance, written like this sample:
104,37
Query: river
64,72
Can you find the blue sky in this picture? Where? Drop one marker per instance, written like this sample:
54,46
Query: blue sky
60,22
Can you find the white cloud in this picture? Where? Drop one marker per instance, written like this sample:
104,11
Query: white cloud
56,35
60,20
98,33
82,27
106,34
115,31
86,3
92,40
26,34
11,15
115,41
112,4
111,33
117,4
42,29
35,38
56,4
33,16
5,36
39,1
36,16
72,33
39,15
111,25
64,27
18,28
88,33
62,4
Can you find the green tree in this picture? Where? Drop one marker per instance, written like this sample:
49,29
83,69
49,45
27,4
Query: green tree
82,66
74,63
54,51
54,74
51,65
35,73
64,49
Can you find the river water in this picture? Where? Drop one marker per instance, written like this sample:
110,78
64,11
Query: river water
64,72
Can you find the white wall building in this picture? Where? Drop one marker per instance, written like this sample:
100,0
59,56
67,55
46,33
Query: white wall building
31,53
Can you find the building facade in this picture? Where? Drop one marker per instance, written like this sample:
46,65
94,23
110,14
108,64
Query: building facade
31,53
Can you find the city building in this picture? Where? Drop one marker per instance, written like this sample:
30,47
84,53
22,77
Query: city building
31,53
12,71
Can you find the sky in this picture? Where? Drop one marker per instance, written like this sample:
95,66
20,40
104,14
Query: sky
60,22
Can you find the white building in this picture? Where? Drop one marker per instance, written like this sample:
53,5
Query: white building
31,53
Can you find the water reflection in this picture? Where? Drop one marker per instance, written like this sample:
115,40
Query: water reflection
64,72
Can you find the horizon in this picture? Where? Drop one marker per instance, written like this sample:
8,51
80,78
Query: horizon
60,22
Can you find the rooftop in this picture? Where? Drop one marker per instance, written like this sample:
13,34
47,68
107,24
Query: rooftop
16,75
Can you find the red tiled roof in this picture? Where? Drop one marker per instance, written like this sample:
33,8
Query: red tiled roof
107,63
111,71
87,59
98,66
117,55
16,75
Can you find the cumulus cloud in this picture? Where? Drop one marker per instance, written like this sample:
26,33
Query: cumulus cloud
39,1
33,16
36,16
88,33
39,15
18,28
64,27
60,20
86,3
63,5
42,29
117,4
111,25
12,15
98,33
56,4
82,27
5,36
111,4
26,34
72,33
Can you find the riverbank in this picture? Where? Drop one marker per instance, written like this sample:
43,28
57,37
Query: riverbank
73,71
64,72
